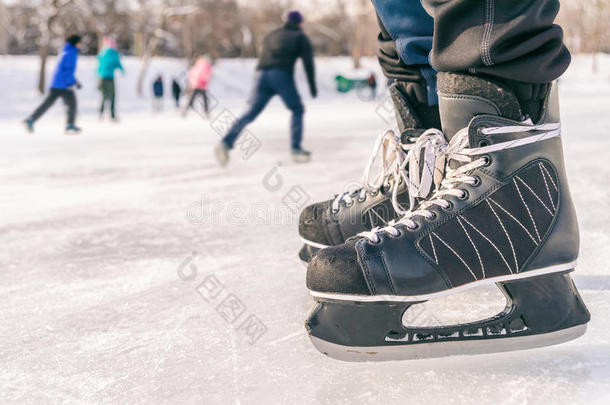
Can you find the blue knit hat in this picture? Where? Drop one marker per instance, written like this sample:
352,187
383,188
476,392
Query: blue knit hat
294,16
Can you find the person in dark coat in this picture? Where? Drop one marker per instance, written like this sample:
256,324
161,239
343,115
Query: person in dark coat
158,93
61,86
176,91
281,48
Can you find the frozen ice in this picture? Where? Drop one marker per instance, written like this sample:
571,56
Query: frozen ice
135,270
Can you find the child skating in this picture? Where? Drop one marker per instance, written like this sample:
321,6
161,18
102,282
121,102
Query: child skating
61,87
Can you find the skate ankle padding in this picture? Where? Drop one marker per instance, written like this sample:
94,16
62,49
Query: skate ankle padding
411,108
463,96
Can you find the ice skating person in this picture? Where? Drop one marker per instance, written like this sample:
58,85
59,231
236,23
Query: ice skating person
281,48
199,77
503,213
61,86
108,61
158,91
176,91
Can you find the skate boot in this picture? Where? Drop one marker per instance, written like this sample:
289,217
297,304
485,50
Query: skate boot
502,215
221,151
29,125
72,130
376,200
301,155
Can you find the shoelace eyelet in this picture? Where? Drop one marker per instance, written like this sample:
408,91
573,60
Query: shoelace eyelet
464,195
432,217
362,199
376,242
448,207
413,228
349,204
483,143
477,181
374,193
486,160
398,234
334,211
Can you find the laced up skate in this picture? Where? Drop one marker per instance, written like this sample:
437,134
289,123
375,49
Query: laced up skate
401,175
389,185
502,214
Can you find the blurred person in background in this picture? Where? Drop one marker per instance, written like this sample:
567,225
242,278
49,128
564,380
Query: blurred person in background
199,77
176,91
61,86
109,61
281,48
158,94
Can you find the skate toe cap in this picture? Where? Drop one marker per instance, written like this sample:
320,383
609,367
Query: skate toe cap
336,270
311,223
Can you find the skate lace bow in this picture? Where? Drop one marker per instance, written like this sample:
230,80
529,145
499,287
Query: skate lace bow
465,160
395,158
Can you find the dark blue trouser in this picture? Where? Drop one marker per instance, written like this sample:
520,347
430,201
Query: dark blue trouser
271,82
508,39
411,28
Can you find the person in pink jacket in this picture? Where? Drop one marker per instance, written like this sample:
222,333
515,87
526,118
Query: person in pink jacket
199,77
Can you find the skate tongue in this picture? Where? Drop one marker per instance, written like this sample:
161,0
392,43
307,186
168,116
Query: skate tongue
463,96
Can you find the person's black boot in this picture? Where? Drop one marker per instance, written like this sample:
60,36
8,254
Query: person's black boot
503,215
332,222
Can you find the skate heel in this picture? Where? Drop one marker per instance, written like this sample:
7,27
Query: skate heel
540,311
544,304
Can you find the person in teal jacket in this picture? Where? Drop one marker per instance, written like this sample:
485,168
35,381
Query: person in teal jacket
109,61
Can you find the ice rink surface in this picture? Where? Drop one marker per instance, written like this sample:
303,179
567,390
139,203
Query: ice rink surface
135,270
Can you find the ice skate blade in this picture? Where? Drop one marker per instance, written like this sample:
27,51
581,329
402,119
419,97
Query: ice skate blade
446,349
559,268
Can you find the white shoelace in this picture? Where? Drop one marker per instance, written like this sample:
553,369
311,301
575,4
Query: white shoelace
459,151
395,157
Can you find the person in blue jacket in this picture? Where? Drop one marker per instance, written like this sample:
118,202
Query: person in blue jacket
109,61
61,86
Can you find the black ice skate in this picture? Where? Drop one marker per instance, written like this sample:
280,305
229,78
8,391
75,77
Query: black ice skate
376,201
503,215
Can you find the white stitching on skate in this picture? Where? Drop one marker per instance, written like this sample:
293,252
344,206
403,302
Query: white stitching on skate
492,244
489,24
548,190
455,253
535,195
433,248
546,184
517,221
371,212
473,245
512,248
528,209
550,177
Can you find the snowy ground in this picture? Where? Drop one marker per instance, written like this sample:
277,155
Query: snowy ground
101,299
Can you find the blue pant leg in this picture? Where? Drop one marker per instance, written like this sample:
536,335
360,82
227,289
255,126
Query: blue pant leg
412,29
284,85
263,92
